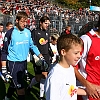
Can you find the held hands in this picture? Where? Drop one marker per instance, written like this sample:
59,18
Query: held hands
93,90
5,74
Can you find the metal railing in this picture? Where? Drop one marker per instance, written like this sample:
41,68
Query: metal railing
57,25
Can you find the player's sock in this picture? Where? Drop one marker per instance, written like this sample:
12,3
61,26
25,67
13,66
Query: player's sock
42,87
21,97
33,82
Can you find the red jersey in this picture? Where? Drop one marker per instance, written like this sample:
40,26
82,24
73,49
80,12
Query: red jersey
93,60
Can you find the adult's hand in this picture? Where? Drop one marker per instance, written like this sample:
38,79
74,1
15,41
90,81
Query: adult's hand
5,75
93,90
90,88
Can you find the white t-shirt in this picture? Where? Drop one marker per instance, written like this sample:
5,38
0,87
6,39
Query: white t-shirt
54,50
61,84
2,35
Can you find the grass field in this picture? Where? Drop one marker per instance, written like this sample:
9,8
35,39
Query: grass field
32,96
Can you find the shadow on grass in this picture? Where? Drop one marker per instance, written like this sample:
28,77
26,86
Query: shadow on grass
34,94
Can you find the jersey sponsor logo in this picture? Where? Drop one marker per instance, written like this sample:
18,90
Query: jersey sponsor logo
42,41
97,58
23,42
72,90
54,51
46,34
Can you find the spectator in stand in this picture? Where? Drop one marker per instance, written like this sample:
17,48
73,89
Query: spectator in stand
53,45
67,30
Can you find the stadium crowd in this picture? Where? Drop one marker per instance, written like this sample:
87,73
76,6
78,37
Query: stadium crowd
41,17
59,16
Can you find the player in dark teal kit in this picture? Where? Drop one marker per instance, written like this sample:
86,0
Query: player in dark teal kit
41,38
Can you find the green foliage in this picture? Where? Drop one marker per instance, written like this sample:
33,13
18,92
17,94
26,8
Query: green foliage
76,4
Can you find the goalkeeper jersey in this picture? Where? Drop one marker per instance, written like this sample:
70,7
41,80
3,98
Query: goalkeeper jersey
17,44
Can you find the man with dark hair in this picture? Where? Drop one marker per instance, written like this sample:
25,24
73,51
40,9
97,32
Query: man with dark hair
41,38
67,30
17,43
9,25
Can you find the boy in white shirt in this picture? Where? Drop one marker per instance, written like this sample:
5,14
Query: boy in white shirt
53,45
61,81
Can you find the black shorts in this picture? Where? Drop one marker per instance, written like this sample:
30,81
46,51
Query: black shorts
17,71
40,69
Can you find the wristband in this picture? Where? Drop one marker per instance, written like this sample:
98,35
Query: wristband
3,66
4,69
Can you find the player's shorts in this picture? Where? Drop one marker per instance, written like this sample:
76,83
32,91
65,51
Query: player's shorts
40,69
17,71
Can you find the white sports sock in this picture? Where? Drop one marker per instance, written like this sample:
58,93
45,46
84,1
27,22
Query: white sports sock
33,82
42,87
6,98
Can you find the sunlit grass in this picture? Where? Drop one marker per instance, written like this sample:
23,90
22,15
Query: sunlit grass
35,90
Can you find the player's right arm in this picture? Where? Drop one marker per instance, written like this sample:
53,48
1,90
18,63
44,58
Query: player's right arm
6,43
4,54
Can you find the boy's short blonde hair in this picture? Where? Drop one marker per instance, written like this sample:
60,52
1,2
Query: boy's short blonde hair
66,41
54,36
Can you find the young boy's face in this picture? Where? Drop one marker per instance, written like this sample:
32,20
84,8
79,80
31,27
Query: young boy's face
54,42
1,28
9,26
73,55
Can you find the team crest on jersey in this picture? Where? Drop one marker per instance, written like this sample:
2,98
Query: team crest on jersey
5,39
54,51
39,33
46,34
97,58
42,41
72,90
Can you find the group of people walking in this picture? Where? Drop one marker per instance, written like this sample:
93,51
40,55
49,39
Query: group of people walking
65,66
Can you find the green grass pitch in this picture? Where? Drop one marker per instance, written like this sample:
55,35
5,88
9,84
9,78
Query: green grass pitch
34,95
